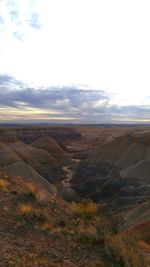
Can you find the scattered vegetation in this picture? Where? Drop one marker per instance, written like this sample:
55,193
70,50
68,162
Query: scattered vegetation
31,190
31,214
25,209
123,252
4,185
85,209
53,229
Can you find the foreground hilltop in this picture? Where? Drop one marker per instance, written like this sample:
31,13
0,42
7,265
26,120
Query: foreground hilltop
41,230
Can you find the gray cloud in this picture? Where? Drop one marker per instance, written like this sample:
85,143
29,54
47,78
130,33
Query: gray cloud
34,21
54,97
88,105
7,82
6,79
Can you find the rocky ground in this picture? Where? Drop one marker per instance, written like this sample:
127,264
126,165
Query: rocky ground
38,231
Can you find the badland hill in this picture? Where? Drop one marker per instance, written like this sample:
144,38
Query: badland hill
75,196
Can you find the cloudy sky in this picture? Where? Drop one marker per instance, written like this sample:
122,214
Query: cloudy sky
75,60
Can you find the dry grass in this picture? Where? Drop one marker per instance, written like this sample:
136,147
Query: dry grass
34,194
85,209
144,245
31,188
4,185
88,233
25,209
33,215
53,218
123,252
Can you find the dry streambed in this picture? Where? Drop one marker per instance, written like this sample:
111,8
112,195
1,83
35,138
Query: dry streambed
69,174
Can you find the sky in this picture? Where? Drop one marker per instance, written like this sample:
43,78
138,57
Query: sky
76,61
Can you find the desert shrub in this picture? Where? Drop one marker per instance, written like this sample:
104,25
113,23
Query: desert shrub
31,191
87,234
86,209
25,209
122,252
31,214
4,185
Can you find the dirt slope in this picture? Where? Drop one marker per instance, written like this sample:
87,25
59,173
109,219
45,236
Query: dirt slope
40,160
21,169
52,233
51,146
